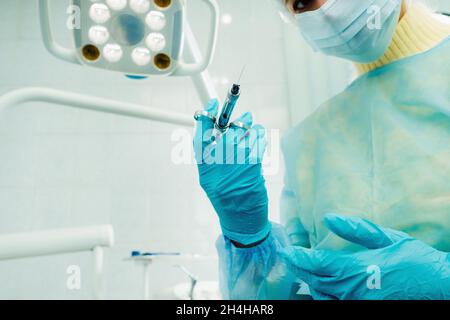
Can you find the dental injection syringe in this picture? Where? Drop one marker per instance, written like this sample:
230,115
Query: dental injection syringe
233,95
223,122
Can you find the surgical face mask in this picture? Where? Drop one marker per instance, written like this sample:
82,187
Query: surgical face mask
356,30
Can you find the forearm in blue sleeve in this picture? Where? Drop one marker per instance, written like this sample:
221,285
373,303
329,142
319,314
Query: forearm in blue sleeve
257,272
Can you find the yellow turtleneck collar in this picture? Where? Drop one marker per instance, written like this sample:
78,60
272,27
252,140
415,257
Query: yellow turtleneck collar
418,31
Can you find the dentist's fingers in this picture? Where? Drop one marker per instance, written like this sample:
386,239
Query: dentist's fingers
205,125
231,141
318,268
246,118
239,133
204,132
317,262
250,144
257,132
238,145
258,143
212,107
362,231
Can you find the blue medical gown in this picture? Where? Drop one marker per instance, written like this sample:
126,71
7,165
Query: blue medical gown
255,273
379,150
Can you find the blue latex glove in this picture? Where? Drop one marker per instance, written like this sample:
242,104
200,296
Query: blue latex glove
231,175
410,269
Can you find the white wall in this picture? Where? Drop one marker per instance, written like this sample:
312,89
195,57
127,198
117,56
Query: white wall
61,167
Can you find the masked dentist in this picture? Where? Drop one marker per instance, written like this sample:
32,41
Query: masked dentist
367,189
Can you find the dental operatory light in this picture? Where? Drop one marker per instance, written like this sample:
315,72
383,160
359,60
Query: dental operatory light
135,37
117,4
128,33
98,35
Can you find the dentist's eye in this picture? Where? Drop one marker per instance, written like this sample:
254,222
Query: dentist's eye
300,5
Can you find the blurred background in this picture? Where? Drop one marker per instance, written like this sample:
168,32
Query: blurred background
63,167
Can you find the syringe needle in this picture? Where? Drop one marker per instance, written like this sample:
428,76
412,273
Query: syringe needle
242,72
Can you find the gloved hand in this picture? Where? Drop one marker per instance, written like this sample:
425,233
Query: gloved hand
231,175
409,268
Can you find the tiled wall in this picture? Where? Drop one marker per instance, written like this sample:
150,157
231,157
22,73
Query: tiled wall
62,167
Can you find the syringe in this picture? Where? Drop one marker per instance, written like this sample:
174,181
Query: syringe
233,95
228,107
222,123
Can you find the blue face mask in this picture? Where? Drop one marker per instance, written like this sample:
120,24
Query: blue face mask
356,30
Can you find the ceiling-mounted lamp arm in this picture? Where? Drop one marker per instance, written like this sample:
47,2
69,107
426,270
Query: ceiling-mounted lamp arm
51,45
187,69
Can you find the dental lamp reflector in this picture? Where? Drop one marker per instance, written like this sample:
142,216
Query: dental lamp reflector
135,37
